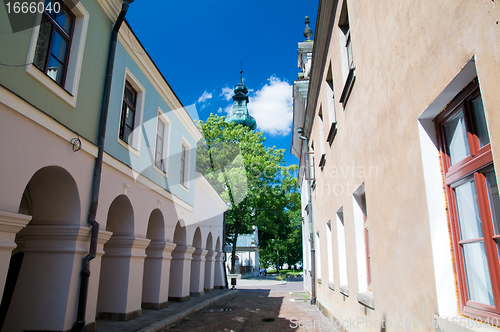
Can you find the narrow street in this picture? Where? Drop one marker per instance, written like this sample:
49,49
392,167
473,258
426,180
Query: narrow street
258,304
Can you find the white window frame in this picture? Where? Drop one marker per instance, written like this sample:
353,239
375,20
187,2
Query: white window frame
166,140
342,251
69,92
329,250
139,113
187,146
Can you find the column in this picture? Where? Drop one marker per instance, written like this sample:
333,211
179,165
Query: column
219,282
180,271
209,271
198,272
157,275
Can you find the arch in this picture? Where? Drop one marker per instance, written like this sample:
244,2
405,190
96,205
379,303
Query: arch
156,265
51,197
120,216
217,244
156,226
197,239
209,245
180,237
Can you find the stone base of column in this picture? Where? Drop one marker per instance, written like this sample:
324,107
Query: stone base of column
196,294
121,317
219,287
208,290
179,299
154,306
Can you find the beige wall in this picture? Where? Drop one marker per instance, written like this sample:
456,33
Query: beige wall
405,53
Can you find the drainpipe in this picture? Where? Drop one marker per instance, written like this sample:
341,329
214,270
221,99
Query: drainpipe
96,180
311,224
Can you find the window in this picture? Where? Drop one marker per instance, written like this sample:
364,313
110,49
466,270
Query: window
342,252
184,166
322,159
317,245
54,42
56,52
161,143
331,106
474,203
127,122
346,53
329,253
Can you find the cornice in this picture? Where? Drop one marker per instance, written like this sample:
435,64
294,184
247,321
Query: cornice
111,8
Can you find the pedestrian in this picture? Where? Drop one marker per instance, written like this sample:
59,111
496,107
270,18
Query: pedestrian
265,272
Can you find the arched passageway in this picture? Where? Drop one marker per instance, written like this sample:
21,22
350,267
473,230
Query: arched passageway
157,264
122,265
198,265
52,245
180,267
209,264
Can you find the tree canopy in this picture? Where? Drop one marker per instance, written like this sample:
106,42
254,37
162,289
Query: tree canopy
251,178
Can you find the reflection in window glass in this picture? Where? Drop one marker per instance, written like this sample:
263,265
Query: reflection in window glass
477,273
481,128
456,138
468,211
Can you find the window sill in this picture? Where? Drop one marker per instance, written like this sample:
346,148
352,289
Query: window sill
164,173
129,147
346,92
344,289
319,281
50,84
460,324
331,286
366,298
184,187
322,161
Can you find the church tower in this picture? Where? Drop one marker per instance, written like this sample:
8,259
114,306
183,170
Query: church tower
240,110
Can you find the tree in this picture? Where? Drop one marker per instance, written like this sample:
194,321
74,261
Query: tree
248,176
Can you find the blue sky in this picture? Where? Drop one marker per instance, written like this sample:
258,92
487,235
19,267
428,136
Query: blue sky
198,46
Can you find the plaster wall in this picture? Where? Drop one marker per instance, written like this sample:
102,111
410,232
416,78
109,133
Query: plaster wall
406,53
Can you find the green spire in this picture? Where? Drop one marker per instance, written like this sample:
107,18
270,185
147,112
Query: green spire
240,110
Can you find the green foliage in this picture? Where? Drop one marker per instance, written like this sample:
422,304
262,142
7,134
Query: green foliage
251,178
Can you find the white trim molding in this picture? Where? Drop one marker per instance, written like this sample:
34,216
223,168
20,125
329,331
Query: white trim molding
69,92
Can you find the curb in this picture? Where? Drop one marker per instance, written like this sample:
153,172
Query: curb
175,318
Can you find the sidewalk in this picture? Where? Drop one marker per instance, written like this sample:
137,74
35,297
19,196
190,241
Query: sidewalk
156,320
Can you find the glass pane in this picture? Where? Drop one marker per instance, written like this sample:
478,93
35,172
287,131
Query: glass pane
55,69
130,96
456,138
468,212
64,20
161,127
158,162
159,145
482,129
58,48
130,118
477,273
494,200
126,134
42,44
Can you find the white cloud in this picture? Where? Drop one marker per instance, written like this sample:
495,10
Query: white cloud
219,110
227,93
228,110
204,97
271,107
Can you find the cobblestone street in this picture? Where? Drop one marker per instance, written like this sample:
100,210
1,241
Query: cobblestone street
259,304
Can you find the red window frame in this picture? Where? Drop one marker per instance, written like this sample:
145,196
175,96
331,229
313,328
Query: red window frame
472,167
